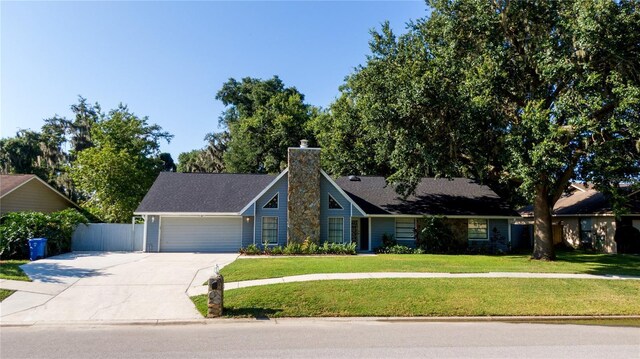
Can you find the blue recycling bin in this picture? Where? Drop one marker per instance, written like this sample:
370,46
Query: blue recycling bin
37,248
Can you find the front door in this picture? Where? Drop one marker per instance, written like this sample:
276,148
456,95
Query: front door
364,234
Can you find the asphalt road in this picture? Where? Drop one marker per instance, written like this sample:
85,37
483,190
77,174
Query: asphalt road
316,339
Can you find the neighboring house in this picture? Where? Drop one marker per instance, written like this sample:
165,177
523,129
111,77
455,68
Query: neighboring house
30,193
224,212
583,218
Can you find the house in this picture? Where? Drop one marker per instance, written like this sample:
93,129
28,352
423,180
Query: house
26,192
224,212
583,218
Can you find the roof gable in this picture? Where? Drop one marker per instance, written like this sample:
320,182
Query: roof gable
12,183
9,183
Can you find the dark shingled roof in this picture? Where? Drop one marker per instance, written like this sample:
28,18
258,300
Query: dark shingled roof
202,192
10,182
433,196
582,200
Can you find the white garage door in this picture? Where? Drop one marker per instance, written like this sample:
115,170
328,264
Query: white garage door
200,234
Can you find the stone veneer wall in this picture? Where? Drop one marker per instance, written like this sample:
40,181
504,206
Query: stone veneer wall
303,204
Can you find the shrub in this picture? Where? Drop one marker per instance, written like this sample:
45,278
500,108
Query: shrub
304,248
388,240
399,249
16,228
276,250
437,237
309,247
339,248
251,250
292,249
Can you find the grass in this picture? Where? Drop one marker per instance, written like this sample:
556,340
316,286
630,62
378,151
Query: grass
4,293
11,270
433,297
567,262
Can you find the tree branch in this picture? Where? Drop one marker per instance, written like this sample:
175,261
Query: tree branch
564,178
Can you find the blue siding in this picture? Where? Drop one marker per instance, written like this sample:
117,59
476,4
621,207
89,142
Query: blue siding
153,231
502,227
247,231
249,211
380,226
356,212
411,243
279,187
498,238
327,188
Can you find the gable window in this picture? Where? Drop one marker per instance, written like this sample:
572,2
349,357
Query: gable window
270,230
405,229
333,204
336,230
273,202
478,229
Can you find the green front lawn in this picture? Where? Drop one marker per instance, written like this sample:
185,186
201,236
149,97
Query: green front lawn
433,297
11,270
568,262
4,293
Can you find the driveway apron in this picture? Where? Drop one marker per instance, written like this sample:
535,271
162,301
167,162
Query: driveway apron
119,286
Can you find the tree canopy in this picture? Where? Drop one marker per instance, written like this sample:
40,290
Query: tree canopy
263,118
524,96
45,153
120,167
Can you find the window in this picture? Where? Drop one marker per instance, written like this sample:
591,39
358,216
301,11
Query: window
333,204
270,230
586,238
336,230
273,202
355,230
405,229
478,229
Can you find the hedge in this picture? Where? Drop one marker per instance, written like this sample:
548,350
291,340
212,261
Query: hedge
16,228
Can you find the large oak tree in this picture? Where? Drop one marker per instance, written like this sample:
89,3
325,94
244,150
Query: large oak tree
522,95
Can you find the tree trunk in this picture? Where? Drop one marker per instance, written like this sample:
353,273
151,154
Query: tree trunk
542,227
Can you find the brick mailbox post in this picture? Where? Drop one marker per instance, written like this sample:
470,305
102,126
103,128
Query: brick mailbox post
215,296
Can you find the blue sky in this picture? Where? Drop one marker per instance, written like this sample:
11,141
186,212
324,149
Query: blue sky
167,60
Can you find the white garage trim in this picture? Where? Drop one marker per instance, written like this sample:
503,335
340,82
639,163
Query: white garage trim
200,234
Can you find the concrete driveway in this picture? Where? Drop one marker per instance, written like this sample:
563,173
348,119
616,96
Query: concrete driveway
98,286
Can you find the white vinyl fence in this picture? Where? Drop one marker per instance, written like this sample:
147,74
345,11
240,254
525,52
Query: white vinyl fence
107,237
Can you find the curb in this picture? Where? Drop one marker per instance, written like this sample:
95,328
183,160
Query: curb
276,321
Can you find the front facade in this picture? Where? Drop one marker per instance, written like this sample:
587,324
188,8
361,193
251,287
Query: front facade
188,212
583,218
26,192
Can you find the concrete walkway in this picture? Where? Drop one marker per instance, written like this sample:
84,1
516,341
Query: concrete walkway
376,275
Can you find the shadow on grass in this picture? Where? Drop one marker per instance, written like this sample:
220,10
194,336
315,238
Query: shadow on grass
622,264
257,313
11,270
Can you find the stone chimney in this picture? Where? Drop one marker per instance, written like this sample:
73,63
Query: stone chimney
303,205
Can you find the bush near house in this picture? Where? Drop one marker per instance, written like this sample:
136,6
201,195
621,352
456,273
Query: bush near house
305,248
435,235
17,228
